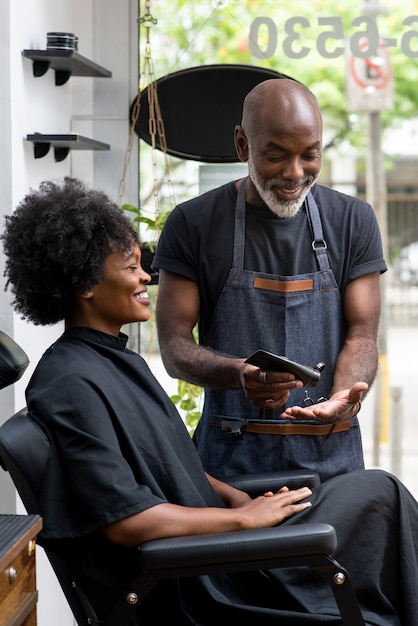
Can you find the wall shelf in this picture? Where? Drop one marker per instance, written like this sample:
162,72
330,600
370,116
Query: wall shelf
66,63
62,144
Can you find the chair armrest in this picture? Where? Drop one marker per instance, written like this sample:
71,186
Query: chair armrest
235,551
257,484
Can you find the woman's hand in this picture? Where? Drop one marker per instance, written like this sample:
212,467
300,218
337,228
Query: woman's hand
272,508
171,520
264,511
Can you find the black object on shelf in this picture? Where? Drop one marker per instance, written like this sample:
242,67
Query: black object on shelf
61,41
66,63
63,144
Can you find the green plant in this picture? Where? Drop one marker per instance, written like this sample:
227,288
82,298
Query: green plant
188,400
153,224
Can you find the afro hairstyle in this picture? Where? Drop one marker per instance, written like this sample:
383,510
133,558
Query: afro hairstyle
56,243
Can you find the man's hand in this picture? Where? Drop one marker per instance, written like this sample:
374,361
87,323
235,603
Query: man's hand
267,389
342,406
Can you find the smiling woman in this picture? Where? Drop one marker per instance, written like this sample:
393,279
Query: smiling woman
67,248
120,297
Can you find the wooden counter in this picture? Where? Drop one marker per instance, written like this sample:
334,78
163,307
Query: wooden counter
18,594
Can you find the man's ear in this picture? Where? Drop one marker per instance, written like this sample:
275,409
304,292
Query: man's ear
241,143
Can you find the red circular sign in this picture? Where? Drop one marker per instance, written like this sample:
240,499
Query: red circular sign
369,73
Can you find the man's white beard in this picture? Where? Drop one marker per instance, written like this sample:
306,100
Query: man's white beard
281,208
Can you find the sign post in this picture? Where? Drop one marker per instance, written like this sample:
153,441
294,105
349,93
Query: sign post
369,88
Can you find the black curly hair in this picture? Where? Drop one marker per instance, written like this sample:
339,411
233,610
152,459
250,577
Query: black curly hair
56,243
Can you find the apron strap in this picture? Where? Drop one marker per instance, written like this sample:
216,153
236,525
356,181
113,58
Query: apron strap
319,245
239,228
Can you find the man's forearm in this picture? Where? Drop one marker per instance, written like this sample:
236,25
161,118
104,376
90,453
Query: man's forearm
358,361
186,360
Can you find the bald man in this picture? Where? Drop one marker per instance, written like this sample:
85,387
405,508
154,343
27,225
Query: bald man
277,262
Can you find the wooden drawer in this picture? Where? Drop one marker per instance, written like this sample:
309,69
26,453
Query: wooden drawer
18,594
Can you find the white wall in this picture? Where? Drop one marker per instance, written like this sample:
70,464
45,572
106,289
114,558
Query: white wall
95,107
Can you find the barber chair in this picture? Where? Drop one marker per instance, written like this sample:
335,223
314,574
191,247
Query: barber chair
24,450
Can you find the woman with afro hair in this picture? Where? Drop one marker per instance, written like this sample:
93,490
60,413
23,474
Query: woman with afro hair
64,233
123,468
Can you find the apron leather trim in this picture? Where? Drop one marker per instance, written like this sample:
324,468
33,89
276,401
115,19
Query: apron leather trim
290,429
283,286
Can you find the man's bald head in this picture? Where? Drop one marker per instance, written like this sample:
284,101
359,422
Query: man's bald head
281,139
278,97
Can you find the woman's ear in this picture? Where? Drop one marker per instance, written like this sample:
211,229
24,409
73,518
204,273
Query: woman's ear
86,294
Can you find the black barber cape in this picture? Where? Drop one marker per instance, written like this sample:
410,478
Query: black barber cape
120,447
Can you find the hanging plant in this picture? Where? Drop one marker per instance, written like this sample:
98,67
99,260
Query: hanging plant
154,225
148,247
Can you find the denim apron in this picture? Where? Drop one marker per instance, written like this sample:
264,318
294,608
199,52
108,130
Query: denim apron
299,317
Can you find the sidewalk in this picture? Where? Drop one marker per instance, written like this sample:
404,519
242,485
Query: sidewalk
402,349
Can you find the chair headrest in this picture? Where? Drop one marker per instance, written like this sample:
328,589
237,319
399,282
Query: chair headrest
13,361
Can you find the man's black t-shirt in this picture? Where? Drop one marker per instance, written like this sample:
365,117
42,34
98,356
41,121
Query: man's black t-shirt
197,241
